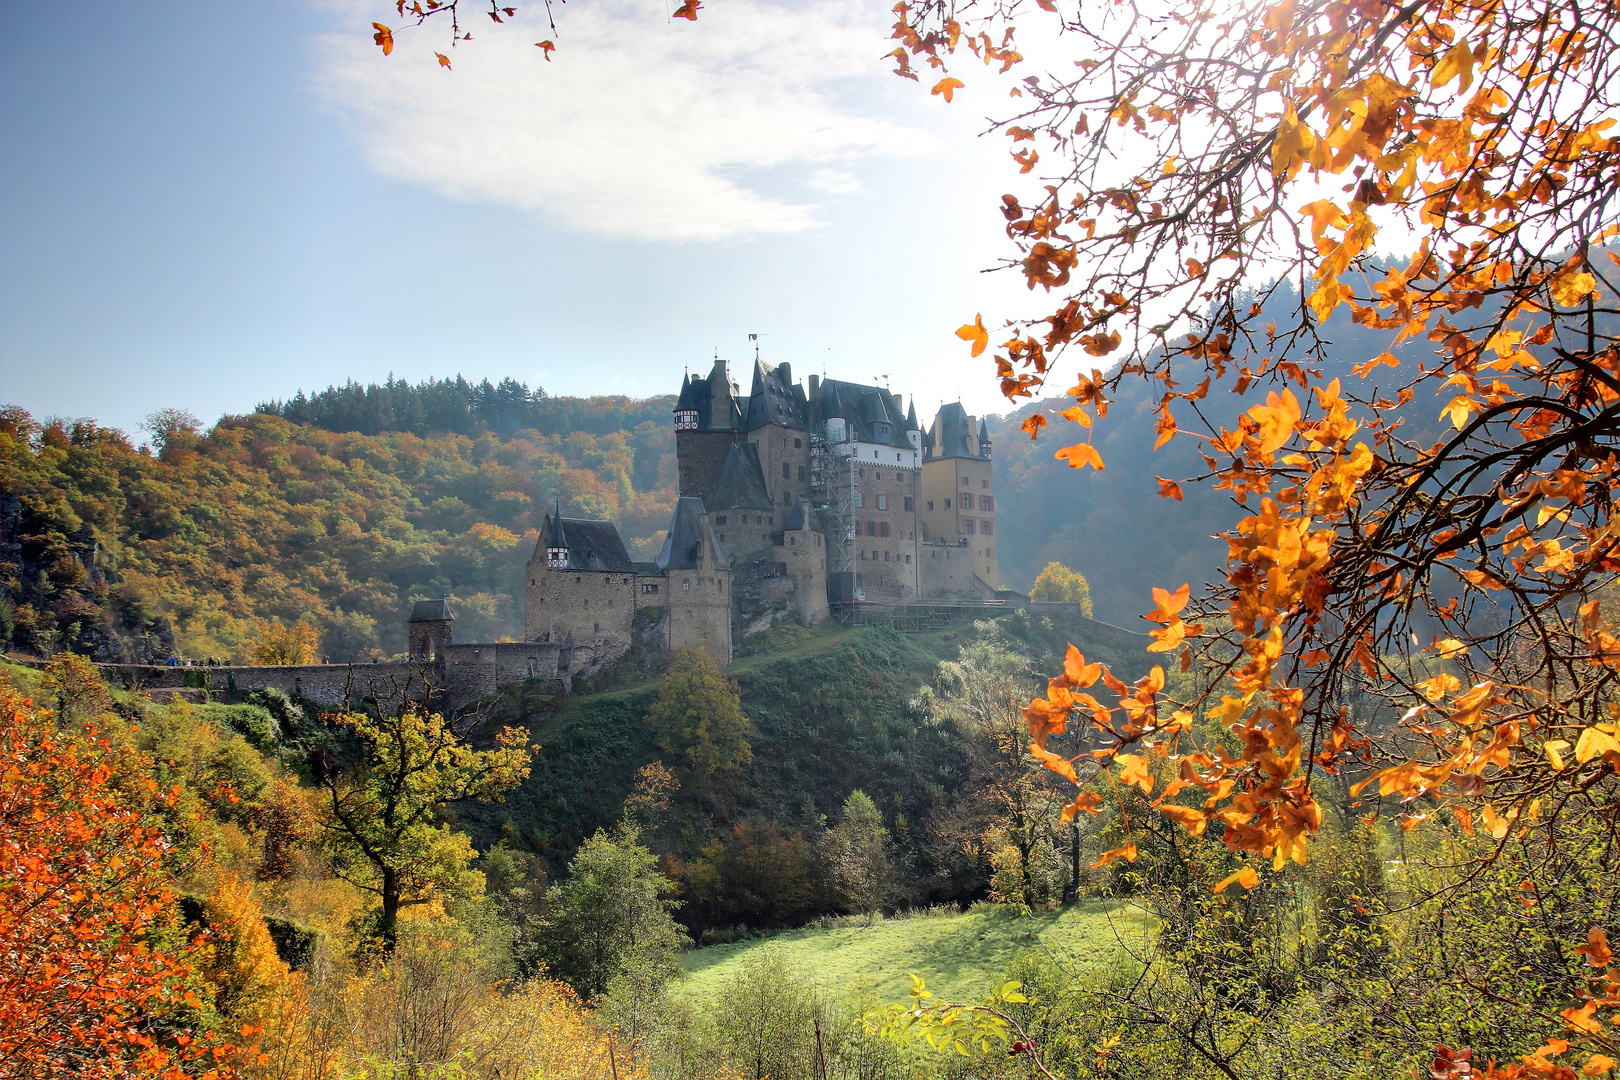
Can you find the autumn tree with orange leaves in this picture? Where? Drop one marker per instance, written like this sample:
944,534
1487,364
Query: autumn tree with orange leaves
1440,172
94,982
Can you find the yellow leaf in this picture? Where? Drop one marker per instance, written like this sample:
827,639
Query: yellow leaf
1245,877
1458,409
1458,63
1554,749
1325,299
1450,647
946,86
1594,743
1570,287
1168,638
1597,1065
976,333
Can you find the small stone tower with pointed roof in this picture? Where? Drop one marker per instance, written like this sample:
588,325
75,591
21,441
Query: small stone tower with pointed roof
430,630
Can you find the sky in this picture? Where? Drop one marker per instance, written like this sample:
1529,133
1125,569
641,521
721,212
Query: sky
205,205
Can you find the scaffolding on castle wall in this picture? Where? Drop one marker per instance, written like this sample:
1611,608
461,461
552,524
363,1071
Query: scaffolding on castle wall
832,493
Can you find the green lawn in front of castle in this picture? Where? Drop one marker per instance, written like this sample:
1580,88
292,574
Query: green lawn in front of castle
960,955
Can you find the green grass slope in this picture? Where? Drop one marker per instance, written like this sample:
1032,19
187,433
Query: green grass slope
959,956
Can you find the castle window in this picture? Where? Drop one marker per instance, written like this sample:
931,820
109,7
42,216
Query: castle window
885,556
984,483
649,588
598,627
947,504
964,481
883,528
909,504
967,501
859,501
686,586
986,503
883,502
863,554
587,603
967,526
897,457
988,528
785,471
930,504
686,420
801,467
877,476
908,560
797,445
721,520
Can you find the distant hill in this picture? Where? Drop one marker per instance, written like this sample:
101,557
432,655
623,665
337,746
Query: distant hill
117,551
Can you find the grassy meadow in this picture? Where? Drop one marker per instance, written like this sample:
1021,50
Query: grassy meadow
958,954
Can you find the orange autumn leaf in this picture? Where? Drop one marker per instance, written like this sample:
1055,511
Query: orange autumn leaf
1185,816
1134,771
1168,604
1169,637
444,61
1128,853
1080,455
1169,489
946,87
547,47
1088,802
383,37
688,11
980,337
1245,877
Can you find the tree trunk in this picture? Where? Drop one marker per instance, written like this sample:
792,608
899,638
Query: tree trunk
390,910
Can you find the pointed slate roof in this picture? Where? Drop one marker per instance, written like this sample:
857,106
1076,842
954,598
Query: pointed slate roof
687,529
873,413
775,399
984,432
801,516
953,434
911,415
741,485
431,611
711,398
592,545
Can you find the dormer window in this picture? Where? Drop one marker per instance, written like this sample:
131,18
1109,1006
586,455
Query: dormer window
556,558
686,420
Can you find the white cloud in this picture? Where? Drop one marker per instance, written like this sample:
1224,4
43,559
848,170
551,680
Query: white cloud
637,128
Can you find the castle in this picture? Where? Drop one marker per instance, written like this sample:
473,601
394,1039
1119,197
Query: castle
790,498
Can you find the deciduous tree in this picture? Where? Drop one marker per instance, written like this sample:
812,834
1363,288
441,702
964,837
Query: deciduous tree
382,818
1201,167
698,715
1058,584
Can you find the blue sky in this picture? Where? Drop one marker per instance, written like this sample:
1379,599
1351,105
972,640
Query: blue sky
205,205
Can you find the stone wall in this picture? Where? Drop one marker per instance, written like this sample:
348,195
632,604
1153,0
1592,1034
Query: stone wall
700,610
887,502
950,570
581,607
466,674
475,671
803,557
699,456
783,449
331,685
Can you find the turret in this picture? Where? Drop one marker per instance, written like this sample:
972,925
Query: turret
913,432
686,409
557,542
722,402
984,440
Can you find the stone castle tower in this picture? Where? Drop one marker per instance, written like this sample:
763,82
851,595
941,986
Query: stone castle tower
791,498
